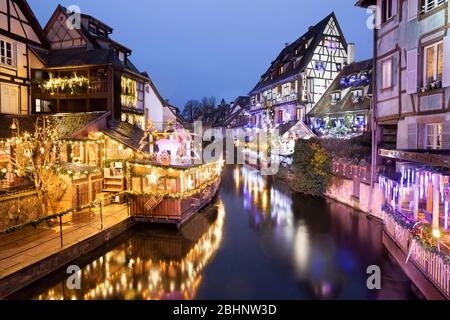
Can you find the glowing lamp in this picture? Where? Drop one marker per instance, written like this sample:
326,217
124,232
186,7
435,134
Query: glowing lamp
436,233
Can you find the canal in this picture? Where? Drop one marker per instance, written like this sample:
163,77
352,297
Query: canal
258,241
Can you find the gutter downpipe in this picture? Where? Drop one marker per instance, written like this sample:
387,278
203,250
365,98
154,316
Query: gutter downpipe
373,108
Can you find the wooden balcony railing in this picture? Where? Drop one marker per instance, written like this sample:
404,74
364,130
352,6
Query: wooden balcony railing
95,87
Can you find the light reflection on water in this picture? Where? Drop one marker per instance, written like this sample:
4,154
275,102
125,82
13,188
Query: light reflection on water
262,242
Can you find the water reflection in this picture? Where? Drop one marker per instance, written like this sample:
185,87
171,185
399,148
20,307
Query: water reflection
329,245
272,245
155,265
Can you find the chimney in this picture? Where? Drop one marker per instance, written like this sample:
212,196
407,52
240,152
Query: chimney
286,44
350,53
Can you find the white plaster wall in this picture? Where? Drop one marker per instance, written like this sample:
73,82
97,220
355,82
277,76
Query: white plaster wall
154,107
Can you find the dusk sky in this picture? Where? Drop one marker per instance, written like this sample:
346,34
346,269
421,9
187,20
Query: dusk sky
215,48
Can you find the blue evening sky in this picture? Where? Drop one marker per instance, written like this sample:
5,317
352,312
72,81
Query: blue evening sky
196,48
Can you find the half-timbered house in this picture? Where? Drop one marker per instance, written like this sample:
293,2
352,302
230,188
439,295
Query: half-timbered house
19,32
299,76
412,115
344,109
86,70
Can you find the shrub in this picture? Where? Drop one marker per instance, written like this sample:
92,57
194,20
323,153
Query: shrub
355,150
311,167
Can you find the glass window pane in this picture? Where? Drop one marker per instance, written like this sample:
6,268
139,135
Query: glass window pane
440,52
430,64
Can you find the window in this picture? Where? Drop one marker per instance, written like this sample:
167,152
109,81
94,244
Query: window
320,66
335,97
428,5
280,116
338,66
298,114
286,90
102,33
433,62
386,72
92,28
386,10
357,95
434,136
281,70
121,56
6,53
9,99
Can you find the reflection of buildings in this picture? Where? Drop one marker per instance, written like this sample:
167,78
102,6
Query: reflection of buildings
268,205
151,265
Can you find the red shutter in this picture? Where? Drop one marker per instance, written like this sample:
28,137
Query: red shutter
411,73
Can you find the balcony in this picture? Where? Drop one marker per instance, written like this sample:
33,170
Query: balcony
66,88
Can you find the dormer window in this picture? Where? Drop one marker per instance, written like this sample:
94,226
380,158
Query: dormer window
357,95
352,80
122,56
102,33
364,76
343,82
92,28
335,98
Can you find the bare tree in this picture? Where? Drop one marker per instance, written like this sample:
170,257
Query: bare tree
191,110
35,154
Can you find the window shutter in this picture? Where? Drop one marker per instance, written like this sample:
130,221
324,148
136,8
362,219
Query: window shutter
413,6
412,136
446,71
446,135
378,14
411,73
394,7
421,136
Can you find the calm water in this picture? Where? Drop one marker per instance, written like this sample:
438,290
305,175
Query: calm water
257,242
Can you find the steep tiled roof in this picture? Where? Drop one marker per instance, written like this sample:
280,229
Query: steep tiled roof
67,123
102,51
126,134
288,55
346,104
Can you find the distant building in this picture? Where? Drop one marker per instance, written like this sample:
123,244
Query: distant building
344,109
299,76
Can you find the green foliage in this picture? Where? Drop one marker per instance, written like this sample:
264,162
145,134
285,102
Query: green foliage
312,168
356,151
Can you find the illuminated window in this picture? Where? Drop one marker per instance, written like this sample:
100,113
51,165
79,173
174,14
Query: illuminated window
434,136
433,60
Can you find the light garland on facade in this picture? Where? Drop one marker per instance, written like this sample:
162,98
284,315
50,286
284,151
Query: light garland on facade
65,85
